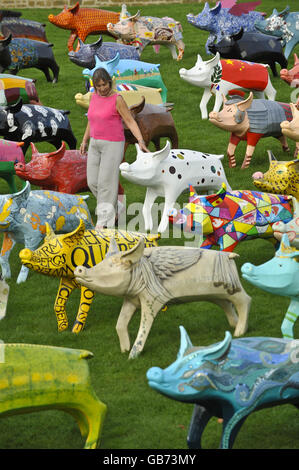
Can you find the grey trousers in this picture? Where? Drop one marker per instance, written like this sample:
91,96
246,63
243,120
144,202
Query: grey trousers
103,160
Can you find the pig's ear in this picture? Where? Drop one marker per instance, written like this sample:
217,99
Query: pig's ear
135,17
216,9
57,154
237,36
133,255
75,8
245,104
162,154
296,60
185,343
22,195
294,109
76,235
199,59
34,151
285,248
113,248
271,156
49,231
214,61
219,350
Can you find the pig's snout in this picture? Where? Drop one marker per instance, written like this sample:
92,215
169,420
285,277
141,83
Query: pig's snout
19,167
247,269
71,54
25,254
214,115
284,73
155,374
258,175
182,72
80,271
285,125
124,167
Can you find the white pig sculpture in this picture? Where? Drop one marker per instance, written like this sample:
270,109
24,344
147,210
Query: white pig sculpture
219,76
167,173
149,278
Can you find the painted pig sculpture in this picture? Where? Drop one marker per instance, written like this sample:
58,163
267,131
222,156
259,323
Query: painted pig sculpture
82,22
155,122
132,71
63,170
279,276
291,76
281,178
167,173
251,46
150,278
85,55
220,21
218,77
226,218
20,53
291,128
59,255
10,153
38,377
13,88
283,25
144,30
250,120
23,218
230,380
36,123
23,28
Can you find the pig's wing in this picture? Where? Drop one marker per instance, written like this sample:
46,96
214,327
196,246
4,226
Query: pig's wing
243,8
166,262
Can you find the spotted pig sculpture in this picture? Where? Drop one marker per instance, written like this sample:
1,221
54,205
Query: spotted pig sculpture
21,53
23,218
82,22
284,25
219,21
230,380
279,276
150,278
144,30
250,120
168,172
37,377
226,218
218,77
59,255
281,178
85,55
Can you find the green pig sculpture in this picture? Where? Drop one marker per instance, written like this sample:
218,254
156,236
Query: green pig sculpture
36,377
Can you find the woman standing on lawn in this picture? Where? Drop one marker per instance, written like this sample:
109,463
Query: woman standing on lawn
105,133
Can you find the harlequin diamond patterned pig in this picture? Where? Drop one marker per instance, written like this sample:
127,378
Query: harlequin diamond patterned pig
168,173
229,379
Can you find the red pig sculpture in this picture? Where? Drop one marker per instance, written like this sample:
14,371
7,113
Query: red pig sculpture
62,170
83,21
291,76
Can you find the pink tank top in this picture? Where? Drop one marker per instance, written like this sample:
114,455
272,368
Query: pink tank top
104,120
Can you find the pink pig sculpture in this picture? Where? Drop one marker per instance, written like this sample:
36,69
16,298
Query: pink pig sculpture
62,170
291,76
251,119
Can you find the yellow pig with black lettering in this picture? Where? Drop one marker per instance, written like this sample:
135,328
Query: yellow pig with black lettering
59,255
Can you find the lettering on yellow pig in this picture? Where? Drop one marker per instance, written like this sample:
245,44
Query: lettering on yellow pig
61,254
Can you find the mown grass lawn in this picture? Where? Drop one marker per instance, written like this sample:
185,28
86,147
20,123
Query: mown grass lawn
138,417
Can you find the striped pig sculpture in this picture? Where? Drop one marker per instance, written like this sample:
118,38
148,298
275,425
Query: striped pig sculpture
279,276
59,255
152,278
36,377
230,380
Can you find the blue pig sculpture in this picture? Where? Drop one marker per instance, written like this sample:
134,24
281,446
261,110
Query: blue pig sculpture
230,380
279,276
283,25
219,21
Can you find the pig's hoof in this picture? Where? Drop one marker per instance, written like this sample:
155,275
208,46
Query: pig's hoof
63,327
78,326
